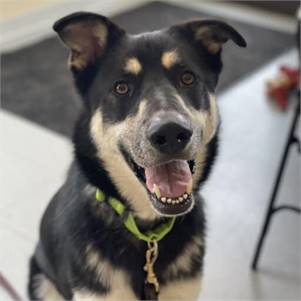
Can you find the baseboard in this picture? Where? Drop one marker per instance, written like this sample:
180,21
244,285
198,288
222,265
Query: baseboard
37,25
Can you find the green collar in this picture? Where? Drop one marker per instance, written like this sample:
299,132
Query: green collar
153,235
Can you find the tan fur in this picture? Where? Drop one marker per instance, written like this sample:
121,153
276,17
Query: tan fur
129,186
115,279
118,281
214,47
204,34
196,116
184,290
77,60
45,289
208,121
199,165
119,290
133,66
188,289
104,270
183,263
170,58
211,120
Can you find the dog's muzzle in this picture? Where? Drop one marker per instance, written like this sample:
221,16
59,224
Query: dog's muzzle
170,184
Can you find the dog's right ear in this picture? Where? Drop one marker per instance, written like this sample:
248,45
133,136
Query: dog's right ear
88,36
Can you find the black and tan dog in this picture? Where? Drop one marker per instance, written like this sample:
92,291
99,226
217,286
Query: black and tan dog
146,138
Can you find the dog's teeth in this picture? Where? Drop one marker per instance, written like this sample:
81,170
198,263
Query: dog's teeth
180,199
189,187
156,191
163,199
185,196
177,201
173,202
168,201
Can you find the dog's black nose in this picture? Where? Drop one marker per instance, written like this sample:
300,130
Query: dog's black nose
169,135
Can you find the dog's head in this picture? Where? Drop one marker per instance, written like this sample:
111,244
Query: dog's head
151,103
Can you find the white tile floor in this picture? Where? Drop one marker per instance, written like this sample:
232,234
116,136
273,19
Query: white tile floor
237,194
34,160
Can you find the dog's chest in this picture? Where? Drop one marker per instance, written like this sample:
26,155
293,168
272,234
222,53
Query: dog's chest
186,264
126,281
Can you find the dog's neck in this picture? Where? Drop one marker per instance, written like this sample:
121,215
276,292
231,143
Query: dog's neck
102,209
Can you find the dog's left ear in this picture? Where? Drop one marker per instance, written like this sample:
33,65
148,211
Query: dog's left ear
212,34
88,36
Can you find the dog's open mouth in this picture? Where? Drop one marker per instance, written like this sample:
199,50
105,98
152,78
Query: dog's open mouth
169,185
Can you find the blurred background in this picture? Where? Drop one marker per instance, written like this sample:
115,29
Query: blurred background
253,194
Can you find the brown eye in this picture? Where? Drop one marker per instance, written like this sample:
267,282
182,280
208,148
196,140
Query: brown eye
122,88
187,78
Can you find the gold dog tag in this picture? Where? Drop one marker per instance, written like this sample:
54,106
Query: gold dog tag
151,257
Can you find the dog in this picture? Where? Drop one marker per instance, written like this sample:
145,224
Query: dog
128,223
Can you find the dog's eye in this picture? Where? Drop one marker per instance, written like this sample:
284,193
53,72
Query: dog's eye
187,78
121,88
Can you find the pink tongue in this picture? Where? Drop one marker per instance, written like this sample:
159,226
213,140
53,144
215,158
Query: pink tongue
172,178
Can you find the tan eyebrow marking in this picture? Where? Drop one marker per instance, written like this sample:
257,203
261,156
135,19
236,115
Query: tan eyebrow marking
132,65
170,58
